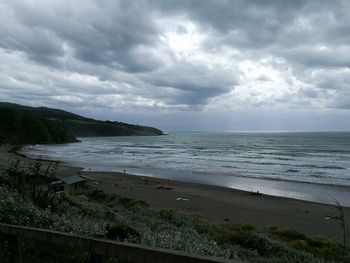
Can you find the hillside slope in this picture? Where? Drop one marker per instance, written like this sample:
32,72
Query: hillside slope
17,128
80,126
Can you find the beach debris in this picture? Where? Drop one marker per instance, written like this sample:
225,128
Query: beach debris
164,186
329,216
181,199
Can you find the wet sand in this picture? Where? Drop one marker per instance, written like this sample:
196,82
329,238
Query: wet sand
320,193
217,204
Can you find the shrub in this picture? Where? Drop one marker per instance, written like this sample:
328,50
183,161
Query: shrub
318,246
262,244
123,232
127,202
18,210
98,195
299,244
287,234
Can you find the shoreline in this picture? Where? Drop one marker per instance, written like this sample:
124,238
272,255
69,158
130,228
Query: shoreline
299,190
119,170
216,204
305,191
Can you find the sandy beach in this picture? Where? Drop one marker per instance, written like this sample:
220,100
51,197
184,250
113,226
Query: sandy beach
216,204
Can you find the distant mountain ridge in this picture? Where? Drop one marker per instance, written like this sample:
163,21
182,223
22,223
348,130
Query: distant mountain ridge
68,124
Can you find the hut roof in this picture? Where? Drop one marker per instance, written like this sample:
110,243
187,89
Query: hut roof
88,178
74,179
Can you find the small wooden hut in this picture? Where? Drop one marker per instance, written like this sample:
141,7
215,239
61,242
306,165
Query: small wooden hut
77,184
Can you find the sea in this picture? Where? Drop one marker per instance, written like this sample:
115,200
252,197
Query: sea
313,166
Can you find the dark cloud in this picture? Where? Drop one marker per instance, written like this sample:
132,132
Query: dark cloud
242,23
319,56
98,33
41,45
295,30
196,83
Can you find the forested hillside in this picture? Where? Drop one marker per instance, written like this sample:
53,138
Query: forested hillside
17,128
23,124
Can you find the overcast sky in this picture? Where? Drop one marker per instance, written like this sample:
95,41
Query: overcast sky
182,65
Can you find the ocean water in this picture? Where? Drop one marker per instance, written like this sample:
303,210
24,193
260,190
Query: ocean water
305,166
319,158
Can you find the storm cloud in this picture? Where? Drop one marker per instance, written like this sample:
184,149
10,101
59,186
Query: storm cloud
168,63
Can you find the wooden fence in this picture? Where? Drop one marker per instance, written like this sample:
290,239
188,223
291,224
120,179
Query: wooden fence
101,249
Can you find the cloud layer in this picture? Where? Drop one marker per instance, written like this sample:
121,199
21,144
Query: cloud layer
170,62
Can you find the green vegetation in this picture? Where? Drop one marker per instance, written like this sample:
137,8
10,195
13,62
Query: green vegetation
65,122
319,246
89,128
123,232
125,219
29,204
129,202
17,128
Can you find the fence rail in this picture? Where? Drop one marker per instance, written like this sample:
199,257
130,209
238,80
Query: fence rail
102,248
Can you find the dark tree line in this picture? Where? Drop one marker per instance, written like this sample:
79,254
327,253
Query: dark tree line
17,128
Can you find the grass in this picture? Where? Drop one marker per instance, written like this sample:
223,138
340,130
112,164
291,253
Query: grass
169,229
230,240
127,202
319,246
